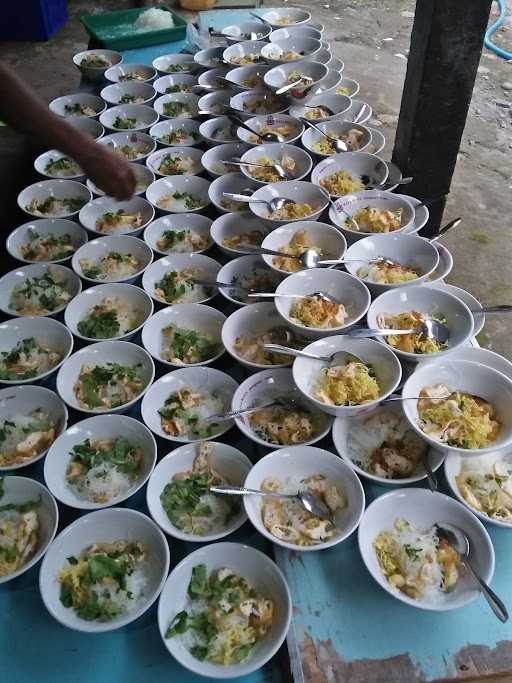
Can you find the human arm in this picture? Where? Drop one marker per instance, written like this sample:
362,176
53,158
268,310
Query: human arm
24,111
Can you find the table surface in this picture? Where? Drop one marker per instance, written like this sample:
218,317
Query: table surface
345,628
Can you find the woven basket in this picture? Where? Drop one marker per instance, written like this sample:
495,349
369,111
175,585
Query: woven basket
197,5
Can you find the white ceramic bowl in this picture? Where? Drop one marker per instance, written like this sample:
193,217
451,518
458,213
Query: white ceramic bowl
48,332
286,16
324,56
60,189
61,105
423,509
348,87
204,380
194,222
205,320
302,162
143,179
104,526
231,225
140,143
248,77
304,47
218,130
210,57
174,63
90,127
19,490
122,73
338,104
44,226
52,155
273,123
362,116
430,302
101,353
385,364
250,103
242,271
131,92
144,116
101,246
376,199
211,77
212,159
197,187
24,400
251,321
265,386
472,378
8,282
334,128
242,49
408,250
154,161
453,465
235,183
302,30
174,83
278,77
229,462
135,298
178,262
189,100
294,463
378,141
98,428
357,164
260,571
168,126
345,288
96,74
485,357
97,208
215,102
298,191
328,239
237,32
325,87
471,302
444,266
346,430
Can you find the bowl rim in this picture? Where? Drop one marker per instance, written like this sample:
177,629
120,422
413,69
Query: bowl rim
80,230
75,262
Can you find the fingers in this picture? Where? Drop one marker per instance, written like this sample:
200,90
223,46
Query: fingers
123,186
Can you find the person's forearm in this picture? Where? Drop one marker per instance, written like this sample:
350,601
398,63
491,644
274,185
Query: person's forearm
23,110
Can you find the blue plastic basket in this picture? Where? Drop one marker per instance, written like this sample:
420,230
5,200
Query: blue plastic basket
33,20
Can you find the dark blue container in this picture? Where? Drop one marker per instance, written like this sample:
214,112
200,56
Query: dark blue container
32,19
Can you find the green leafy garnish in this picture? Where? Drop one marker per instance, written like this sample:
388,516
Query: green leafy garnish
101,323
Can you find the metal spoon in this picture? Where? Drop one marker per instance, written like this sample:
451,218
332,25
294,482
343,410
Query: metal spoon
263,21
360,114
431,477
444,229
266,137
308,500
318,295
341,357
277,167
327,109
291,403
385,185
459,541
303,80
338,145
274,204
432,329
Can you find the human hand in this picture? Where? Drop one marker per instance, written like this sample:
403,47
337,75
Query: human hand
108,170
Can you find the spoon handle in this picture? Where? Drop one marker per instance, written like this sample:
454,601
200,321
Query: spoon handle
445,228
277,348
493,600
360,114
290,86
243,491
272,295
235,413
368,332
431,477
502,308
431,200
269,252
241,123
242,198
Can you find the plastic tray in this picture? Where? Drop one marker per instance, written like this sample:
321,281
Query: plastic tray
115,30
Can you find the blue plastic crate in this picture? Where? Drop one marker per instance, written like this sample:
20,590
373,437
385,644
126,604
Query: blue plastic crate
33,20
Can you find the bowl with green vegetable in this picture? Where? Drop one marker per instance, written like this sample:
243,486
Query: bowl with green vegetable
259,602
104,570
55,164
108,311
184,335
46,240
113,258
100,461
178,278
181,105
178,495
179,194
129,117
179,234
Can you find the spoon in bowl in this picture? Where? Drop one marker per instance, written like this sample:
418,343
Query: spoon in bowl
336,358
459,541
432,329
274,204
318,295
266,137
338,145
303,80
289,403
327,109
308,500
281,172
